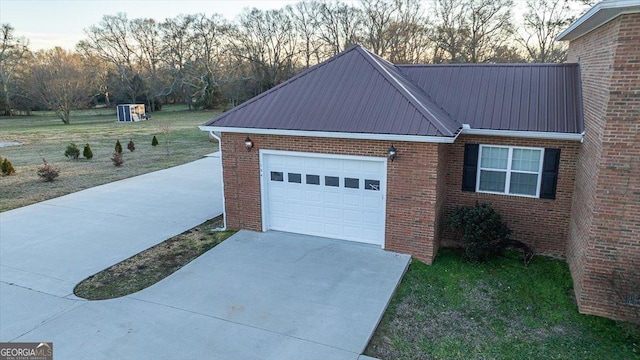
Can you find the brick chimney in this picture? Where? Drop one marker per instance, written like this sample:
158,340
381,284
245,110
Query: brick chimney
603,248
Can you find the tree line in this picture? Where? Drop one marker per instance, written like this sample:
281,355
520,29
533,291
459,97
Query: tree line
210,62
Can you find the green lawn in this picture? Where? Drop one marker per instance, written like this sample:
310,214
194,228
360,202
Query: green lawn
45,136
498,310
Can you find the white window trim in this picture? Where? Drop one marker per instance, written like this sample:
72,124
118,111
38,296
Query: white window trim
509,170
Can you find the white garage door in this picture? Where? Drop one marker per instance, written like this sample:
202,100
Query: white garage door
340,197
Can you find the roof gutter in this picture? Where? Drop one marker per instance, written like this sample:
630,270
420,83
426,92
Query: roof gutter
328,134
466,129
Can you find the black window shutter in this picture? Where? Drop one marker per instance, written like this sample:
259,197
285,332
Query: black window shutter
550,173
470,167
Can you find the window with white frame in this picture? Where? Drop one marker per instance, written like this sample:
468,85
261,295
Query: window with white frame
510,170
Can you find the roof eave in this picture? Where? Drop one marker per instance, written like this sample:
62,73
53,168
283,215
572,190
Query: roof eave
327,134
597,16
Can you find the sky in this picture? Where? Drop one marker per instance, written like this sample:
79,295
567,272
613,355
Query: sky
50,23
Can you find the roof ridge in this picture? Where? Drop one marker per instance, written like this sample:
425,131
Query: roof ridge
408,94
282,84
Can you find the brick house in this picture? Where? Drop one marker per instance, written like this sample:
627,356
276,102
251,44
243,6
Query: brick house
359,149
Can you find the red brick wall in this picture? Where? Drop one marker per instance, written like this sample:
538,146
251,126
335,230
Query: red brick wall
541,223
604,243
412,180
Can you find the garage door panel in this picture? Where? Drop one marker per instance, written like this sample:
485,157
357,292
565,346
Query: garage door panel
295,194
372,202
314,211
325,196
332,214
332,229
314,196
352,215
332,165
370,218
352,231
353,199
314,227
332,198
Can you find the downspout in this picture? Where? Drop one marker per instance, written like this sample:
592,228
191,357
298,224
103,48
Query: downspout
224,209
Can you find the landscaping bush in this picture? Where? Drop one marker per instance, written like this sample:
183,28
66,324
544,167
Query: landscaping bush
6,167
483,233
47,172
131,146
72,151
87,153
154,142
118,147
117,159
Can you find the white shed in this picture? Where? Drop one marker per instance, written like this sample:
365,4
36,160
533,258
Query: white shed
131,112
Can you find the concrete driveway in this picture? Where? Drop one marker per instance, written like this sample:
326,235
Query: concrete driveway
256,296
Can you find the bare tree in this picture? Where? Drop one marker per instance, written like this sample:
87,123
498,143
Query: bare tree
210,46
304,16
543,21
378,17
61,82
13,52
339,26
179,54
471,30
409,40
266,40
150,50
111,41
490,27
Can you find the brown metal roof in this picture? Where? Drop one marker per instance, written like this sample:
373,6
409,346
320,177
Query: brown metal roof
517,97
353,92
359,92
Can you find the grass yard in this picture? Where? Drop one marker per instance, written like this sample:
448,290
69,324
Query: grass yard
45,136
499,310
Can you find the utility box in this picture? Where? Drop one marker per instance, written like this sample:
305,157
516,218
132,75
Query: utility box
131,112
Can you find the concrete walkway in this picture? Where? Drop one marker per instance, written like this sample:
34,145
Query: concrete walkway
256,296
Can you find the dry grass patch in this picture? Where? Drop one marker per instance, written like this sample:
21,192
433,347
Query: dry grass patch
154,264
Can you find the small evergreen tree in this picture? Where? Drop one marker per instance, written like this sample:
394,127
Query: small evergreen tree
6,167
131,146
87,153
154,142
117,159
118,147
72,151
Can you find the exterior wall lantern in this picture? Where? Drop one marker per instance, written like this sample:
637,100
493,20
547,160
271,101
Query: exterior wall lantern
248,144
392,153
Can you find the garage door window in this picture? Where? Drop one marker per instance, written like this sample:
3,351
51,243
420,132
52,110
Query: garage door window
331,181
313,179
372,185
295,178
351,183
276,176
